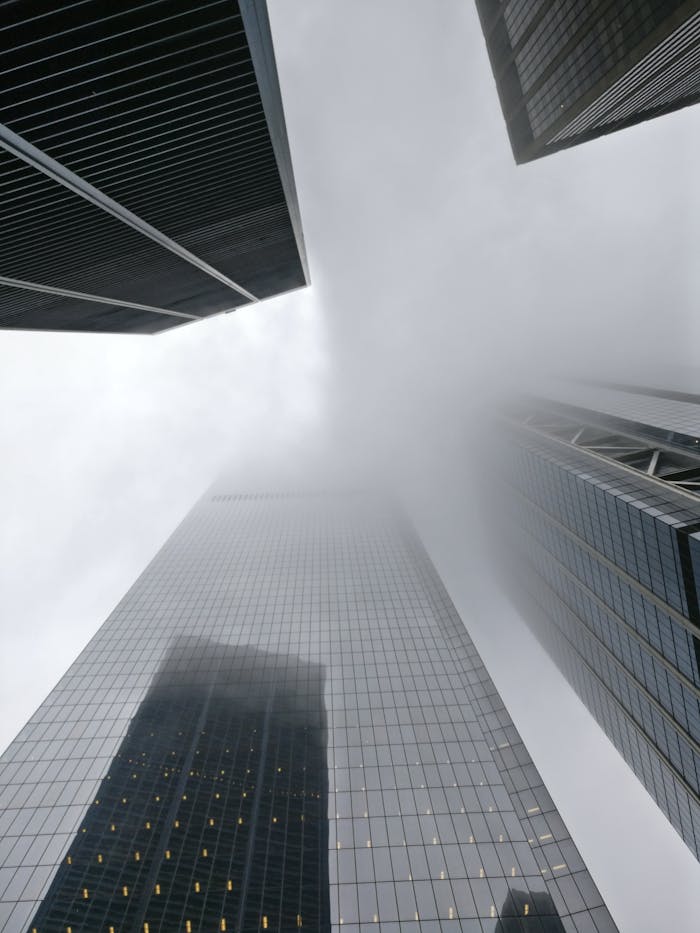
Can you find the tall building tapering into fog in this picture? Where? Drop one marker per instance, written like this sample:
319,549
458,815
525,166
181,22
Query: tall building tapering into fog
146,175
603,492
283,725
571,70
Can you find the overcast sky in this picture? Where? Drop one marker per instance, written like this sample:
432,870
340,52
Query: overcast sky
441,273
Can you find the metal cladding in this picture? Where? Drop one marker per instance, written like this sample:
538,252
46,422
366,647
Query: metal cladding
145,175
568,72
603,522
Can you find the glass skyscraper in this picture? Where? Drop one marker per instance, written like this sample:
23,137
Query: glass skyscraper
283,725
571,70
146,180
602,485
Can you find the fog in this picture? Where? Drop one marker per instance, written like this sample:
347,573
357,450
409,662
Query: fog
443,276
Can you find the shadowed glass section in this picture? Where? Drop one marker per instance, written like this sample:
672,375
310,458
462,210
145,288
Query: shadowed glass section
525,911
213,815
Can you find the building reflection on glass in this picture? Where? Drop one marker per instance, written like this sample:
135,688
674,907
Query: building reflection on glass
213,815
529,910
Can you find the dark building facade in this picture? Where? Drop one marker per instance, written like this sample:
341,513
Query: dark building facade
146,174
572,70
602,486
283,725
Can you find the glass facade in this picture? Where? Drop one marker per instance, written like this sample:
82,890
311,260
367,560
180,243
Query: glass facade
605,530
283,725
571,70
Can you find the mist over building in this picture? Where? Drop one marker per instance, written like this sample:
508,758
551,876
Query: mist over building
147,179
284,724
602,492
569,72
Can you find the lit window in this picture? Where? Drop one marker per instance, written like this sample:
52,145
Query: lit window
196,887
85,894
526,909
264,923
125,891
229,885
157,889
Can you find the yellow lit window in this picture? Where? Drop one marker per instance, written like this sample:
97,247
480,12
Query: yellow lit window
196,887
85,894
177,824
137,856
274,819
145,928
526,909
148,825
113,828
125,891
264,922
211,821
204,853
240,820
229,885
188,926
167,853
298,920
222,925
69,860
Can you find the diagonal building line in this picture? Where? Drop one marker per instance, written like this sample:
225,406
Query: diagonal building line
85,296
22,149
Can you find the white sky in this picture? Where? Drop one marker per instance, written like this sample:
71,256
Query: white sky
440,272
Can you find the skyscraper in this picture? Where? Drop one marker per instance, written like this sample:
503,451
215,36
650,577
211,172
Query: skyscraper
602,485
146,174
569,71
283,725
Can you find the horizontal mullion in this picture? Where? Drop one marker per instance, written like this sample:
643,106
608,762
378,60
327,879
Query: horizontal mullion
137,139
110,273
229,83
183,170
76,101
172,205
95,176
52,189
87,24
125,191
126,68
255,144
192,185
144,47
32,19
